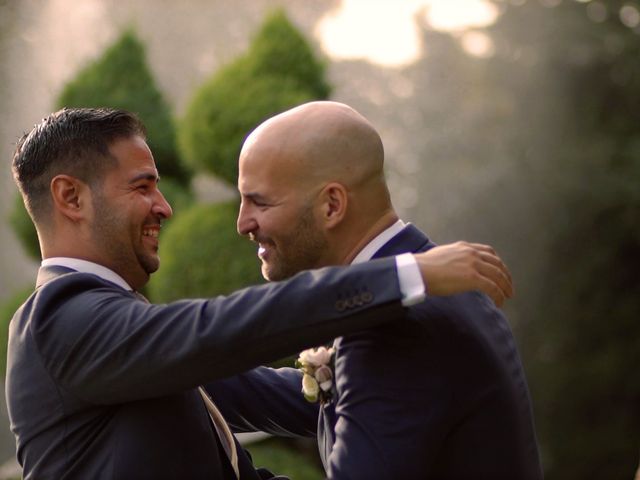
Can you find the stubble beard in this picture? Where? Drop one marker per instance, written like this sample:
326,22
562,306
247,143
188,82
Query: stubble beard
110,232
302,250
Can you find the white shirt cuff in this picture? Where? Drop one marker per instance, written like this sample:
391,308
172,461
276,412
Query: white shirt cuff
411,284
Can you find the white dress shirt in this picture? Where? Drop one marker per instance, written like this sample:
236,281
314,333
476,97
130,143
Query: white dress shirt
85,266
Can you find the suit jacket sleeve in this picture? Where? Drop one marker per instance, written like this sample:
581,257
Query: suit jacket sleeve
268,400
104,346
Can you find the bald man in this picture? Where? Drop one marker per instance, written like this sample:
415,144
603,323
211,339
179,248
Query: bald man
440,395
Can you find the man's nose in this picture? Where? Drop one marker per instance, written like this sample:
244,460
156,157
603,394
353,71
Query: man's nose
161,207
245,223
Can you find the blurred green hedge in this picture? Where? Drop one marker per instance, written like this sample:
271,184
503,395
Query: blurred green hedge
280,49
294,458
121,78
179,197
202,255
278,72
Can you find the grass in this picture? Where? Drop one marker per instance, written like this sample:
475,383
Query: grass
295,459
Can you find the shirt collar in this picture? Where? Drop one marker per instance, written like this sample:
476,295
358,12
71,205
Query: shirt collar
85,266
378,242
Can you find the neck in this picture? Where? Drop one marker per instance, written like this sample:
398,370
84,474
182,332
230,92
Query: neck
135,277
360,239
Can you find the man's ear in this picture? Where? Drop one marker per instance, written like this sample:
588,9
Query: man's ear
334,199
69,196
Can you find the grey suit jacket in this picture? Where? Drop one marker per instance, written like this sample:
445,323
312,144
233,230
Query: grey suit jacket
101,384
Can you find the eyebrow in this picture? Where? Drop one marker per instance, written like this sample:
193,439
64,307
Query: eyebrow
145,176
254,196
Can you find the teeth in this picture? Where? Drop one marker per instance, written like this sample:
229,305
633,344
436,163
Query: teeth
150,233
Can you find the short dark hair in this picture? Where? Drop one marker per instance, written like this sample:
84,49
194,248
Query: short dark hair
72,141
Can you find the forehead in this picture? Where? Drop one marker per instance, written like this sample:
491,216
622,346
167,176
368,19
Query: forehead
133,155
266,170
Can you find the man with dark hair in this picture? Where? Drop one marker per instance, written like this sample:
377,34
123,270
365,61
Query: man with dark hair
102,384
68,140
442,395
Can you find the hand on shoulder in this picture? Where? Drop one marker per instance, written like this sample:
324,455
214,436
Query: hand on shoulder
462,266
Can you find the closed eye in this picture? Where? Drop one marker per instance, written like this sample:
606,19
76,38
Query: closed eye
257,200
144,182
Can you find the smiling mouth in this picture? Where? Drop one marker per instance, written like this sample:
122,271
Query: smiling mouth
264,245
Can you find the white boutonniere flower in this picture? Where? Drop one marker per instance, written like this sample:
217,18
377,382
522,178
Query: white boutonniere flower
317,374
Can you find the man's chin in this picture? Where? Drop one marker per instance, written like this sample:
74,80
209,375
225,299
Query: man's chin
270,273
274,274
150,265
267,275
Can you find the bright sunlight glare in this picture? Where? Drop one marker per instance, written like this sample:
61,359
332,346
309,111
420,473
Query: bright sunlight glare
386,32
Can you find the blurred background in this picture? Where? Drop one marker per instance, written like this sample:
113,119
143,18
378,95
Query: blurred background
514,123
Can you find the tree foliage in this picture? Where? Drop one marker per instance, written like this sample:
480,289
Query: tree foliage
583,342
120,78
202,255
179,197
279,49
535,149
277,72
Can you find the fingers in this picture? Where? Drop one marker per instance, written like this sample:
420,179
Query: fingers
494,283
490,288
463,266
488,254
493,268
497,296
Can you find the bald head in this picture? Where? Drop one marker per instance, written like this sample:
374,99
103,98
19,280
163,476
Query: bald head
320,142
313,188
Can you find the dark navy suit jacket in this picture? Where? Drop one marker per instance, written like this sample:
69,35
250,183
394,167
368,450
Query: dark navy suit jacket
100,385
441,395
